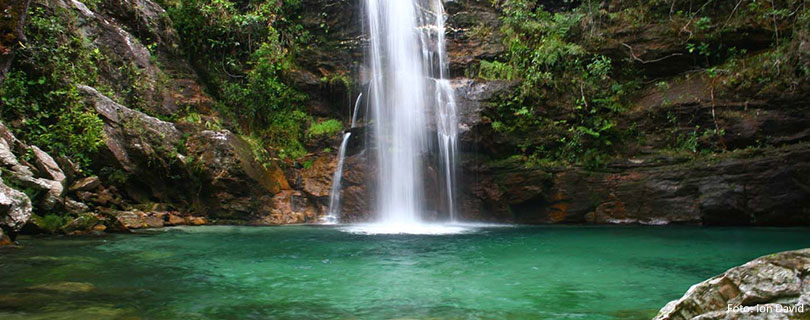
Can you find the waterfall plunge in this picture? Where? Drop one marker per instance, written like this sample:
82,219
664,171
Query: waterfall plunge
407,86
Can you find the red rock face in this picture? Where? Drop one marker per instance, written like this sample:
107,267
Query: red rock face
317,180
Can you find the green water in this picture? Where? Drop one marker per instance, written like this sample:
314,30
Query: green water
309,272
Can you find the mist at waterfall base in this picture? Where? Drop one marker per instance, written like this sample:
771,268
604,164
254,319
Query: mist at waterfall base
409,95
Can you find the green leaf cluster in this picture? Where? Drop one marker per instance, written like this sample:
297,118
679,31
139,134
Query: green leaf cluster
40,102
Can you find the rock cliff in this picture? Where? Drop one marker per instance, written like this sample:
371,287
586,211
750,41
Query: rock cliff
169,154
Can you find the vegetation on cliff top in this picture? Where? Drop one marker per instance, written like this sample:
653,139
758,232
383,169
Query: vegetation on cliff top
244,52
39,97
575,89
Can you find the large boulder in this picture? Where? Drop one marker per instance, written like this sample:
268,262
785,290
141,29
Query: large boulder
214,172
15,209
47,165
140,148
48,192
776,286
234,185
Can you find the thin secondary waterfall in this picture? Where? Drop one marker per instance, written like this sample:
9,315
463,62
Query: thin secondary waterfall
356,110
446,131
407,86
333,215
446,118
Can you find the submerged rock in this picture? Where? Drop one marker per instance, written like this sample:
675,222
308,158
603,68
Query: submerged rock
66,287
776,286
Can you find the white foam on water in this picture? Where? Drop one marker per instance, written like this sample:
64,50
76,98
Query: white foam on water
418,228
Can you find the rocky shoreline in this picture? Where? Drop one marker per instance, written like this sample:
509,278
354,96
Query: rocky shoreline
775,286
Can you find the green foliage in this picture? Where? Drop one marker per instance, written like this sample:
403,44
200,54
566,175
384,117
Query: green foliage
259,151
329,127
284,133
341,79
494,70
50,223
557,76
39,98
244,52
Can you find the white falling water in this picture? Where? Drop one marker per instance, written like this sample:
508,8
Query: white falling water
333,215
407,59
356,110
447,132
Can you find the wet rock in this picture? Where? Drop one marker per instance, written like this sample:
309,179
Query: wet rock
197,221
317,180
746,189
355,205
86,184
288,207
321,68
232,180
357,195
779,280
174,219
83,224
135,219
474,100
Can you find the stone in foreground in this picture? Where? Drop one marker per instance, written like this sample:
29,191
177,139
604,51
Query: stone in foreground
776,286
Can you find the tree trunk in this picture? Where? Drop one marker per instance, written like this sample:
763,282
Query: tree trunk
12,20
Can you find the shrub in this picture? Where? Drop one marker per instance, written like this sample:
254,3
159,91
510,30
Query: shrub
325,128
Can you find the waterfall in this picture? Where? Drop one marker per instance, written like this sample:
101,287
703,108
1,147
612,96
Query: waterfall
356,110
333,215
446,131
408,85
